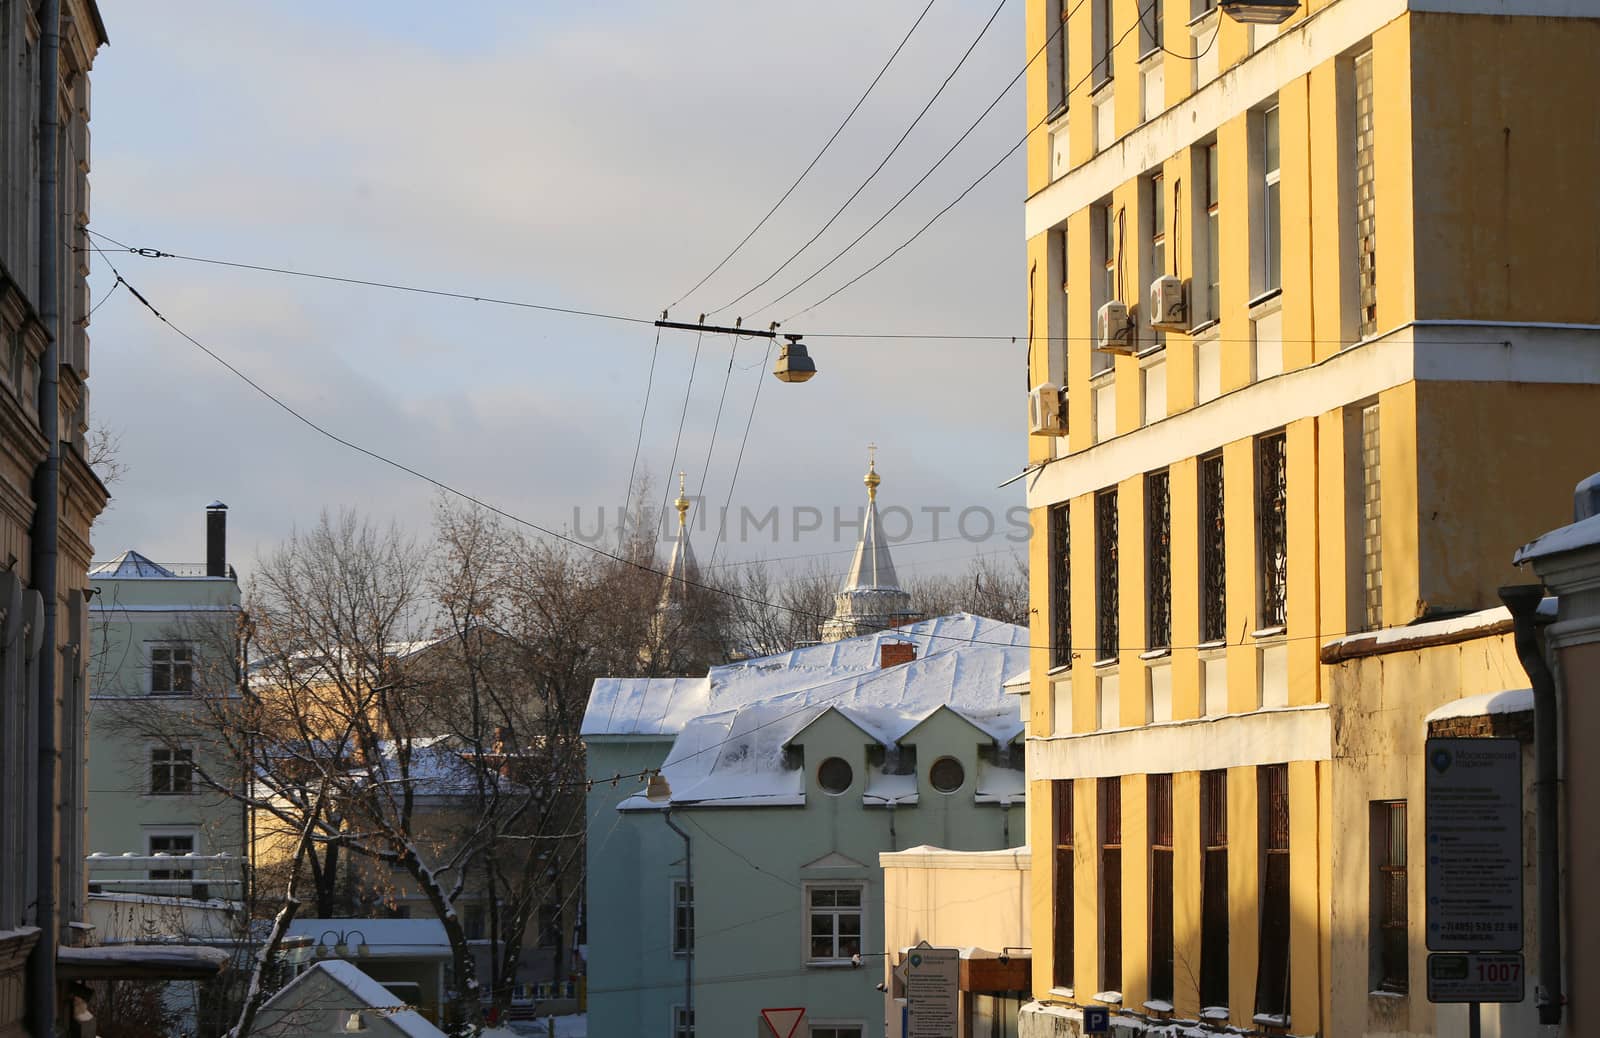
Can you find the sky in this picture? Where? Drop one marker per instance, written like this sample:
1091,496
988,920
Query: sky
590,156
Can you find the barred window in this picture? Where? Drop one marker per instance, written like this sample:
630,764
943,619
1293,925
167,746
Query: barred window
1272,528
1390,968
1366,200
1110,790
1161,880
1272,981
1213,553
1158,559
1105,547
1060,586
1214,888
1371,520
1061,795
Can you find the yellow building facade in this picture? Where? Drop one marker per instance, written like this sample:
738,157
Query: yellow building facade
1372,373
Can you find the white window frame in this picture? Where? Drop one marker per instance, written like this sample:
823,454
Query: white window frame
685,947
810,890
1266,261
171,764
151,649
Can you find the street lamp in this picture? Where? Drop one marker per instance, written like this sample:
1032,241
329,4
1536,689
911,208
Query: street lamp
1260,12
794,363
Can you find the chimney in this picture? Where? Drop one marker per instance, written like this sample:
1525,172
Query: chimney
216,539
892,654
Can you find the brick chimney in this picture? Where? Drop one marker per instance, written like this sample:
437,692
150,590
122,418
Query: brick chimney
216,539
892,654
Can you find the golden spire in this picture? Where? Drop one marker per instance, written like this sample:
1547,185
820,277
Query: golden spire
872,478
683,501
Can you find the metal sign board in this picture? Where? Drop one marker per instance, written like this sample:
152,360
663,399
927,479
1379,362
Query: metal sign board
1475,977
1474,845
1096,1020
785,1023
933,992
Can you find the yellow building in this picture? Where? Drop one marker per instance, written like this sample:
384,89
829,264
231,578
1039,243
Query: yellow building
1371,373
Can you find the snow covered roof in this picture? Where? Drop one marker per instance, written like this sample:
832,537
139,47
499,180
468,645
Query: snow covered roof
364,992
733,752
130,564
384,938
642,706
1585,533
1511,701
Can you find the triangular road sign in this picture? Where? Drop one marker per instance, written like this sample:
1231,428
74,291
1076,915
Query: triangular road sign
784,1022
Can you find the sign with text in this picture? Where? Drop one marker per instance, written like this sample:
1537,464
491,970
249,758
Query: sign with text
1096,1020
1475,977
1474,845
933,992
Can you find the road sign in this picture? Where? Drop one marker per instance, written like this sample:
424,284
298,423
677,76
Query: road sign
933,992
1096,1020
1475,977
785,1023
1474,845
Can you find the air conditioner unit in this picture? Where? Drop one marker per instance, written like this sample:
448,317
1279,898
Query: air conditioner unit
1169,310
1114,328
1047,410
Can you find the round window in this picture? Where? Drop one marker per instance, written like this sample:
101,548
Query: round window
834,775
947,774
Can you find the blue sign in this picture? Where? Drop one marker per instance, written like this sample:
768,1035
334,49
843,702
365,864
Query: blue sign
1096,1020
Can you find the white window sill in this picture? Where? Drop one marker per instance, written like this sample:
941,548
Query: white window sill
1207,329
1215,648
1266,304
1151,353
1065,668
1155,655
1268,633
1105,374
1151,58
1103,85
1106,664
830,964
1204,18
1214,1013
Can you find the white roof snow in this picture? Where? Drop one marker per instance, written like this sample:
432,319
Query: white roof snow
733,752
365,993
1511,701
1585,533
129,564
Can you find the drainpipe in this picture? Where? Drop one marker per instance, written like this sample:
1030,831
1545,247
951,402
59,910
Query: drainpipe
688,876
46,487
1523,602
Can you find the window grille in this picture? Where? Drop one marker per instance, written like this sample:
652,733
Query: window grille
1366,204
1060,586
1158,559
1161,877
1061,794
1105,536
1214,888
1371,520
1110,884
1272,980
1273,528
1213,553
1389,896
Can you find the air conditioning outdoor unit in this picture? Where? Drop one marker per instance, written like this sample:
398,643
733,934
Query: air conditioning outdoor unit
1047,410
1114,329
1169,309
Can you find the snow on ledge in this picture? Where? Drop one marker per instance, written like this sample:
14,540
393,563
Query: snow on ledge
1511,701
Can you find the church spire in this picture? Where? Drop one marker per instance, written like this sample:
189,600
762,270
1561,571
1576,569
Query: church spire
871,598
682,570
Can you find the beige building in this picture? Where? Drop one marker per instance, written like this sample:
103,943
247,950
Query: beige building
1313,357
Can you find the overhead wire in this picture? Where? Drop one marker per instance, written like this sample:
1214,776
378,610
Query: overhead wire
814,159
627,500
876,170
661,517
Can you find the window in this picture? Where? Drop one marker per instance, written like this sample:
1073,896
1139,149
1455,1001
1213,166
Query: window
170,880
1213,238
549,926
835,1031
1103,286
473,921
1161,917
1110,790
1156,202
1272,529
835,775
1152,28
1269,271
1111,253
1158,559
1061,796
1104,44
682,1022
1390,969
1272,982
171,670
682,917
1214,888
1105,550
1060,67
1371,520
1060,586
1366,203
171,771
834,928
947,775
1213,553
